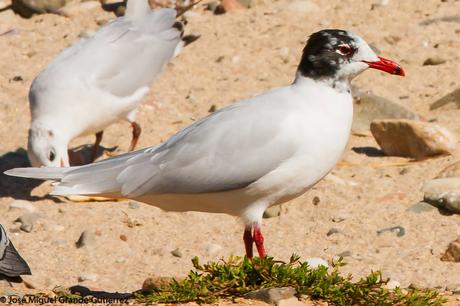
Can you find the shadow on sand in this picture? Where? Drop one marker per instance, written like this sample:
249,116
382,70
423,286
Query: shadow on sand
84,291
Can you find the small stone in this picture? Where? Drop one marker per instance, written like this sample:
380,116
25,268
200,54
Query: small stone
133,205
452,97
415,285
272,212
213,248
284,54
454,288
86,238
271,295
443,193
290,302
78,8
345,254
27,8
410,138
399,230
338,219
452,170
332,231
120,11
212,109
368,107
176,253
453,252
87,277
21,204
123,237
315,262
421,207
231,5
392,285
316,201
85,34
155,283
27,221
433,61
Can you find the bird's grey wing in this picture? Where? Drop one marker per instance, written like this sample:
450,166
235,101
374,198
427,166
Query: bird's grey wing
4,241
122,56
227,150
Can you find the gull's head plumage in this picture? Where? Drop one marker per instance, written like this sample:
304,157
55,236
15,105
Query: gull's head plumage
339,54
46,148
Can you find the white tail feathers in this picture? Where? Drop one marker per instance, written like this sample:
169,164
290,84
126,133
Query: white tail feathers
136,9
51,173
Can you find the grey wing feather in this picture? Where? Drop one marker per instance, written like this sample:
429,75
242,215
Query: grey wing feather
12,264
122,56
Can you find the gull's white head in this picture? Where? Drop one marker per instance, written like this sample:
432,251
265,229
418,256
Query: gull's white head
339,54
46,148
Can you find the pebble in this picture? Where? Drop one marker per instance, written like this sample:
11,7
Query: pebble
338,219
410,138
154,283
27,221
22,204
123,237
284,54
443,193
87,277
271,212
78,8
290,302
176,253
332,231
392,284
421,207
433,61
86,238
453,170
454,288
316,200
452,97
453,252
272,295
213,248
369,107
399,230
133,205
27,8
315,262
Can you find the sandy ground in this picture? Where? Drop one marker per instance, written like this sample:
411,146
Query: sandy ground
238,56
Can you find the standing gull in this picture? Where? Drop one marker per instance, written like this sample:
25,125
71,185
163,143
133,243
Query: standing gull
256,153
11,263
100,80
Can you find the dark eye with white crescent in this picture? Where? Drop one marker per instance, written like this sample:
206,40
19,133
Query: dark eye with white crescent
52,155
344,50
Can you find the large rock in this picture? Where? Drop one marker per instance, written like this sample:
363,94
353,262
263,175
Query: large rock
453,252
369,107
410,138
453,97
443,193
27,8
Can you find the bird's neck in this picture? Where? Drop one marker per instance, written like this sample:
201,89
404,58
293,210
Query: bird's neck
340,85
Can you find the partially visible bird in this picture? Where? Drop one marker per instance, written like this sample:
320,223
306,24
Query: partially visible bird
100,80
11,263
256,153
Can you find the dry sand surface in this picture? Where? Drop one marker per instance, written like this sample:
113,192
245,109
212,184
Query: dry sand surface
238,56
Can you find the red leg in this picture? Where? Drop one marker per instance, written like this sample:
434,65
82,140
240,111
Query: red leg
136,133
248,241
259,240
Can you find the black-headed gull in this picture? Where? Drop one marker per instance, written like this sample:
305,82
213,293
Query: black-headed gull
100,80
240,160
11,263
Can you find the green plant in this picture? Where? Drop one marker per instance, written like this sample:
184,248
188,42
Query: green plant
237,276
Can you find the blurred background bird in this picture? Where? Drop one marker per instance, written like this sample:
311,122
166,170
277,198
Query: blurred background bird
101,80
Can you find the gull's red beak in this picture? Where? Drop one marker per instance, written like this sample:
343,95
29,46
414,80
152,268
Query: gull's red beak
387,65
